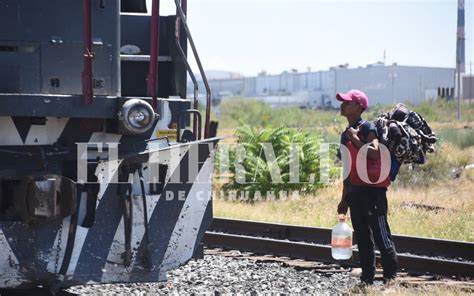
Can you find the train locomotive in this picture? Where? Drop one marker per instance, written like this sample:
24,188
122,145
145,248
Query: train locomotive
105,165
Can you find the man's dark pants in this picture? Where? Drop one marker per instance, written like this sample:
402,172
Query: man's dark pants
369,218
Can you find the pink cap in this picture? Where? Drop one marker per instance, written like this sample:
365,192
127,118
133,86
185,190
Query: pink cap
356,96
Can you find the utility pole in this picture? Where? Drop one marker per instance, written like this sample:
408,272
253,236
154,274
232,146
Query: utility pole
459,87
460,54
470,82
393,75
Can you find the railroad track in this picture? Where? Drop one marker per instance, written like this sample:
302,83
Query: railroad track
417,255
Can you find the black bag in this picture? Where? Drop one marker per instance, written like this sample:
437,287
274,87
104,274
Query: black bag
407,136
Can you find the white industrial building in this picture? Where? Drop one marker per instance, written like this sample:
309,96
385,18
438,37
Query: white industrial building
384,84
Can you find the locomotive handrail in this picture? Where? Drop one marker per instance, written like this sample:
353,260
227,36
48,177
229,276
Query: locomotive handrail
182,16
188,67
154,51
158,139
87,91
146,236
199,120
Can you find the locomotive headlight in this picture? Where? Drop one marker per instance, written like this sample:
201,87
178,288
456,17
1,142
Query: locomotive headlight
139,117
136,116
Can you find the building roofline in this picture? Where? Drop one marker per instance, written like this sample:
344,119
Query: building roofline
335,68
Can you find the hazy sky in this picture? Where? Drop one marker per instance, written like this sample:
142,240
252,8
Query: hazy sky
248,36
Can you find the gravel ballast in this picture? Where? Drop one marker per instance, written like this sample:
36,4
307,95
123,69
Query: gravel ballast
220,275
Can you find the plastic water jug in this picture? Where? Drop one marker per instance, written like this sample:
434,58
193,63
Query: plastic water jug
341,240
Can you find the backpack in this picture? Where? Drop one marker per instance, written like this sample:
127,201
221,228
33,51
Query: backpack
407,136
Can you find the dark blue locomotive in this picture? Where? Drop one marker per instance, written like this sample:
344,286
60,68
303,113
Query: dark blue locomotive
104,174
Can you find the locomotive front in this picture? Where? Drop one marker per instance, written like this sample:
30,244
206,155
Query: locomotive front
104,174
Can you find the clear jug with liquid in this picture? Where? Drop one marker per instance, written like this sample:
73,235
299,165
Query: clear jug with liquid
341,240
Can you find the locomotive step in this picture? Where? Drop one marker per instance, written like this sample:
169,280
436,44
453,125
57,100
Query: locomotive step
142,58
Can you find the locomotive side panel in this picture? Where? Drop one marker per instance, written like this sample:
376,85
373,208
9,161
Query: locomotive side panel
48,35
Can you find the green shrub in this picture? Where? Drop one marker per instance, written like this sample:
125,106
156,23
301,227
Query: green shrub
237,111
463,138
436,169
446,162
259,173
441,110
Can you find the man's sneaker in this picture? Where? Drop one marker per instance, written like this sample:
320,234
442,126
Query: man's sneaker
362,286
366,282
389,280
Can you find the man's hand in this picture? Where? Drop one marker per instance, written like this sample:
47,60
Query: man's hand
342,207
351,133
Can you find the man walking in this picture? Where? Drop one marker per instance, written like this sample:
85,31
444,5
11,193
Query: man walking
367,200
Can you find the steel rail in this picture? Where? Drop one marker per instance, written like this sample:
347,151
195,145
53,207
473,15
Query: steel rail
404,244
309,251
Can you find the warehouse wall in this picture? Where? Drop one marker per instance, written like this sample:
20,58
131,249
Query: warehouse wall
383,84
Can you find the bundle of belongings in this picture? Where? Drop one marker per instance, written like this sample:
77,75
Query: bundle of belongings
406,135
